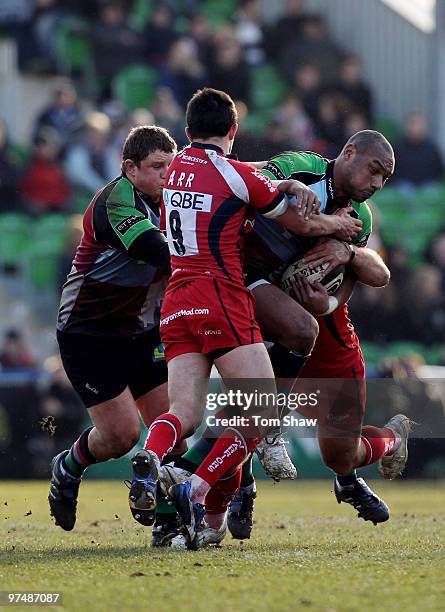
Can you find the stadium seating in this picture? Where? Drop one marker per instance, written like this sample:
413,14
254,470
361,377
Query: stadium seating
135,86
15,232
74,51
411,221
268,88
218,12
140,14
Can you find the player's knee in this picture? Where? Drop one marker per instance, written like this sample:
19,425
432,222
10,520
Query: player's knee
301,334
121,442
188,417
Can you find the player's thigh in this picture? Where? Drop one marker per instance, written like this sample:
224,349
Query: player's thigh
117,421
248,361
96,367
148,375
188,377
281,318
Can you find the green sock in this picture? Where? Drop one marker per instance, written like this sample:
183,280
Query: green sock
247,475
195,455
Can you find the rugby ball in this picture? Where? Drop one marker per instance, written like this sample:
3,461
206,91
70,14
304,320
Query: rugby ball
314,274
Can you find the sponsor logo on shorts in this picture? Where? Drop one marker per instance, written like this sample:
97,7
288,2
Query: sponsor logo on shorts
211,332
125,225
158,353
191,312
92,389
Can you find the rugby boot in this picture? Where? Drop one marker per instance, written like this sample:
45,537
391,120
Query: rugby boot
165,529
359,495
391,466
206,536
191,513
240,518
142,495
274,458
63,493
170,475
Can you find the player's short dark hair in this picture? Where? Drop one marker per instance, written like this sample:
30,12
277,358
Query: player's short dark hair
210,112
369,139
145,139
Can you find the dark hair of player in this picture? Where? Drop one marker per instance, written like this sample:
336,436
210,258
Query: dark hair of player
369,139
210,113
145,139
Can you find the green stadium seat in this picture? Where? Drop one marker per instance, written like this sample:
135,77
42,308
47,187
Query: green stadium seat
51,229
74,47
268,88
402,349
15,232
218,12
255,123
135,86
43,264
388,127
140,14
371,352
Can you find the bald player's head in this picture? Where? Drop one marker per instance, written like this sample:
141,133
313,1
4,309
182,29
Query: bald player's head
367,140
364,165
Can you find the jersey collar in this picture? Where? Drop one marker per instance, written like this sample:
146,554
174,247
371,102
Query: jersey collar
333,201
201,145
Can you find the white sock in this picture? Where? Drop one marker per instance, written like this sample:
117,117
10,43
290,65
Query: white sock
199,489
216,521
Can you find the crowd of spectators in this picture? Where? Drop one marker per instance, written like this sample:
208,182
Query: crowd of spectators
76,140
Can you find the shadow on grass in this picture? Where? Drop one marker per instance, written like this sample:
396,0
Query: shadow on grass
79,553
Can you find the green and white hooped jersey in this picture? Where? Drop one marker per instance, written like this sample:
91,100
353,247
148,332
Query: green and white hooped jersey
270,248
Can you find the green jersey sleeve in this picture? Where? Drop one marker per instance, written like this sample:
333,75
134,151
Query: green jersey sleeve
125,220
291,164
363,213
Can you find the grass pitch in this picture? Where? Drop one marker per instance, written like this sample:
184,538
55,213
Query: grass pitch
306,552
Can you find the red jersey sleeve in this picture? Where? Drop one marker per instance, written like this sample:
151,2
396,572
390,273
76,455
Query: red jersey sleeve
263,195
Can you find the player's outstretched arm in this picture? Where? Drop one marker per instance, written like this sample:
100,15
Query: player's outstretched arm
342,226
305,201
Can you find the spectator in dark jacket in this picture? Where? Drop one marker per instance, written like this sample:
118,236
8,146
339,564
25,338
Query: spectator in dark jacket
419,162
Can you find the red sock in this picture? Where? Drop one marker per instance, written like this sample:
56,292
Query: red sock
221,494
229,451
164,433
378,441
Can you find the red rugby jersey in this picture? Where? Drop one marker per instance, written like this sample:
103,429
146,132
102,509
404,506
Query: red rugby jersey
206,198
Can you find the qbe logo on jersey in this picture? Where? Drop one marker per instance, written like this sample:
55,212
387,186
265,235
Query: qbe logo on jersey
181,209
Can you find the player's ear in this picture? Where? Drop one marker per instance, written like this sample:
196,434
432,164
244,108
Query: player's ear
233,130
188,134
349,151
129,167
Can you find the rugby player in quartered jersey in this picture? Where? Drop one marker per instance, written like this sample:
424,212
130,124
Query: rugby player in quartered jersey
108,323
363,166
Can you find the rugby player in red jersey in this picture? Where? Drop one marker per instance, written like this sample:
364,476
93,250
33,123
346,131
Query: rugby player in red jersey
208,315
361,169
